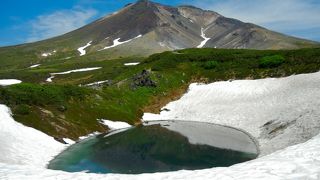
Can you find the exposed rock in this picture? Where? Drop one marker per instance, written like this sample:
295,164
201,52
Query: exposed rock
142,79
60,140
161,28
62,108
46,112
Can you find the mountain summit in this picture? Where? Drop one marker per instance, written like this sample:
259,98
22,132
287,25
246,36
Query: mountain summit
145,27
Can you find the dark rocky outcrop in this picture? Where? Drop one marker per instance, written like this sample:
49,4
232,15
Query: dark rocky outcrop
60,140
142,79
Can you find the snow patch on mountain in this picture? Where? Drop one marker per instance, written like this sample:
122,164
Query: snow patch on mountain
49,79
117,42
34,66
204,37
71,71
46,54
8,82
97,83
132,64
77,70
164,44
82,49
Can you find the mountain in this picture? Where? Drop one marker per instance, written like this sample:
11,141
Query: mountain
145,27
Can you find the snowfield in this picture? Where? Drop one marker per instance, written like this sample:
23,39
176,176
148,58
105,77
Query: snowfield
21,145
277,112
204,37
272,110
82,49
8,82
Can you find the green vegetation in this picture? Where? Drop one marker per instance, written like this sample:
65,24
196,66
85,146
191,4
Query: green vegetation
22,109
41,95
210,64
271,61
63,109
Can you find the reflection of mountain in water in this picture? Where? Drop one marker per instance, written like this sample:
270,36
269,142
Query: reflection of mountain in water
145,149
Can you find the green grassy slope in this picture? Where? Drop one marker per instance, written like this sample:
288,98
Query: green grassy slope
63,109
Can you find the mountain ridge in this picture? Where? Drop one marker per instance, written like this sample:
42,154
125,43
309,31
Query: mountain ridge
162,28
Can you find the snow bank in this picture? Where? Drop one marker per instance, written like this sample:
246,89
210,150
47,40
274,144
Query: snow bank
277,112
71,71
8,82
294,163
114,125
97,83
89,135
34,66
132,64
117,42
82,49
22,145
204,37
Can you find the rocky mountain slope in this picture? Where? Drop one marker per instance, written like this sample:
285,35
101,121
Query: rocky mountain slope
145,27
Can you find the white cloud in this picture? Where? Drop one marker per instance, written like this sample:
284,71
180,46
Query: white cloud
295,17
59,22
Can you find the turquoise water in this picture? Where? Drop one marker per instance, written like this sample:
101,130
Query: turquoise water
144,149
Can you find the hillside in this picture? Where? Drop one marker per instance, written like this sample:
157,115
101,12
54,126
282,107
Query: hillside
144,28
116,91
170,90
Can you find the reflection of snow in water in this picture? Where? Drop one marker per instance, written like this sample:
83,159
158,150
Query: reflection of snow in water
210,134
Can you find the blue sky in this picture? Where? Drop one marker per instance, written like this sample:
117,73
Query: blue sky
31,20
